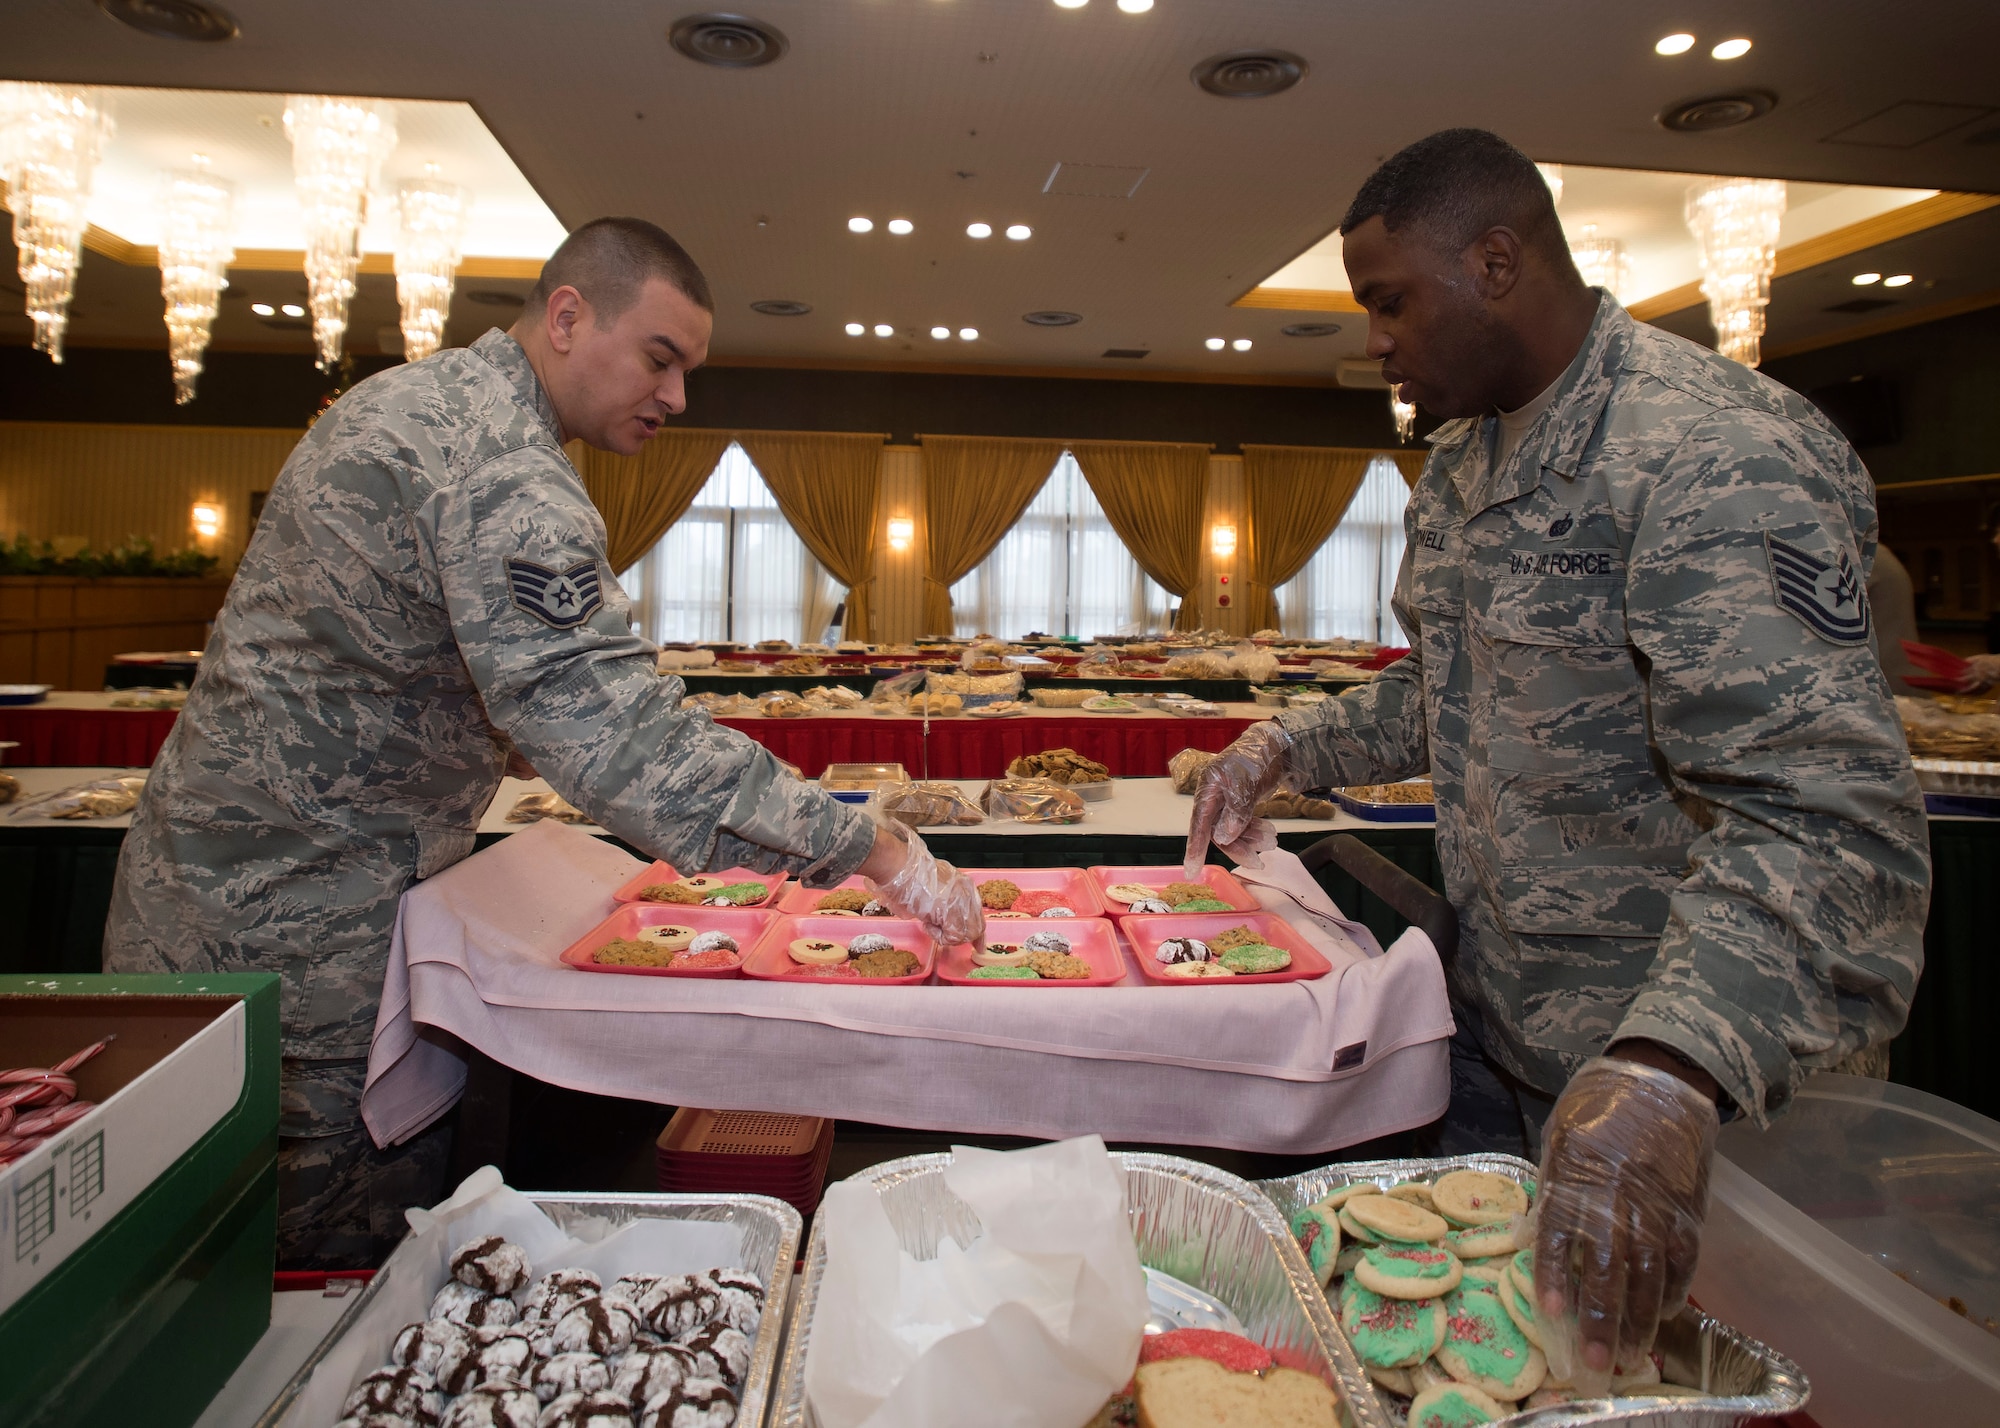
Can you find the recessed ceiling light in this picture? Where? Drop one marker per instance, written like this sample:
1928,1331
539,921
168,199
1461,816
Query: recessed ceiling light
1862,280
1241,344
1717,111
901,226
1731,49
173,19
1215,344
1052,317
263,309
1310,329
292,309
1901,280
1135,7
781,307
1019,231
1071,4
940,333
970,334
979,230
1673,44
860,225
1249,74
882,329
855,329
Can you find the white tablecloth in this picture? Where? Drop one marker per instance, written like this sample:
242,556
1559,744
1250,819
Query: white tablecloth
475,963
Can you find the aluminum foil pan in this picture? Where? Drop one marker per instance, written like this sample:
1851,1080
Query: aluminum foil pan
1745,1379
1199,1224
770,1230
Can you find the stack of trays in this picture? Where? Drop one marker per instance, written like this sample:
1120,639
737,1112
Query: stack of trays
746,1153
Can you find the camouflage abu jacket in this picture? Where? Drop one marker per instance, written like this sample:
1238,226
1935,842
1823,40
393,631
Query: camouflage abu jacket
1674,798
428,571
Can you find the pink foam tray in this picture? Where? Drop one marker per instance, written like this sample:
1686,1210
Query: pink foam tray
802,901
746,925
664,873
1222,883
1147,933
1092,938
768,961
1076,887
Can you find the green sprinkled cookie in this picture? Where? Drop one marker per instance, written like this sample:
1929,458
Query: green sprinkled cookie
1256,958
1203,904
1390,1333
1318,1234
1408,1271
1484,1347
1453,1405
1004,974
739,894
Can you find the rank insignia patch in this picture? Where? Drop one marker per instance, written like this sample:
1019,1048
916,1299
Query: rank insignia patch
1827,598
562,598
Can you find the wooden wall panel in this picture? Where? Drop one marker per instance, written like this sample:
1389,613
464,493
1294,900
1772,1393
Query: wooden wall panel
81,483
55,630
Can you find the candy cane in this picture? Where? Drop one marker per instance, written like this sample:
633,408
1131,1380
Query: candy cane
46,1123
35,1088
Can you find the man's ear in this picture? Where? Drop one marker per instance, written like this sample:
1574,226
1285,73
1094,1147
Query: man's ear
1494,262
565,313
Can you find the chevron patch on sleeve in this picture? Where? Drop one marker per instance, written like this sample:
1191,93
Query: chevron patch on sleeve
1826,597
561,598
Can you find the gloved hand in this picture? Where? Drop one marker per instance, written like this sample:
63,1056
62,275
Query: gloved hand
1624,1191
1242,776
936,894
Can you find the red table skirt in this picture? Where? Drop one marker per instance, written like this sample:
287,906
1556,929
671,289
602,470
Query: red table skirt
110,738
1131,747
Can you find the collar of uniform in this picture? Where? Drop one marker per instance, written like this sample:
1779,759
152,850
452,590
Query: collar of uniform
1572,417
511,359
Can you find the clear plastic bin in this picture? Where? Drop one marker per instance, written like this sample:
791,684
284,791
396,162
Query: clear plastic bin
1837,1235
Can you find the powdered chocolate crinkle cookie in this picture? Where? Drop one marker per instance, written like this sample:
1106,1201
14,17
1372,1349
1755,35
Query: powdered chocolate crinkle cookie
680,1304
490,1263
407,1392
422,1344
569,1373
473,1308
604,1325
601,1409
698,1403
487,1356
495,1405
720,1352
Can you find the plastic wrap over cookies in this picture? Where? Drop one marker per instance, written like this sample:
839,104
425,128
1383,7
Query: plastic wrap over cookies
1031,800
920,805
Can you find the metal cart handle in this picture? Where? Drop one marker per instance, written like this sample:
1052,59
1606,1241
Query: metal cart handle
1415,902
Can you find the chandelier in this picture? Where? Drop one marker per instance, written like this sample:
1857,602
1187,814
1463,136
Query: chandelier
1735,224
194,251
338,146
1601,261
1404,414
50,139
428,248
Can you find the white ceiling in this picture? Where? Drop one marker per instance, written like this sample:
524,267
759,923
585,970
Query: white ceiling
243,137
881,105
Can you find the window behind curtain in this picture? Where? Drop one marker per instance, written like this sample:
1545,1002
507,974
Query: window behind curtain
730,569
1061,570
1343,592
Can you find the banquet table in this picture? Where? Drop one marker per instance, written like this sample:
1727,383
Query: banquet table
55,885
83,728
1137,744
1218,691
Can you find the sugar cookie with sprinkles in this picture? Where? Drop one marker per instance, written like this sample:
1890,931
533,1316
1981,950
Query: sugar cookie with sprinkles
1388,1218
1484,1347
1478,1197
1408,1271
1453,1405
1391,1333
1317,1231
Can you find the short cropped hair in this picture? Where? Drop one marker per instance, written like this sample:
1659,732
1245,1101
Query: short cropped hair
608,260
1454,186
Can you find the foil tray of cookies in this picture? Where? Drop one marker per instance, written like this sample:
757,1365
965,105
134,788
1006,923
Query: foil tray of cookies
501,1308
1203,1227
1432,1287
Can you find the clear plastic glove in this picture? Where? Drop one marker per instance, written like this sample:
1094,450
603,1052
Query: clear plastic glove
1624,1192
1242,776
936,894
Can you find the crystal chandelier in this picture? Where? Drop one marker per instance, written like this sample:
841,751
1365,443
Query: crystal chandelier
1601,261
194,251
1404,414
1735,224
338,146
50,138
427,252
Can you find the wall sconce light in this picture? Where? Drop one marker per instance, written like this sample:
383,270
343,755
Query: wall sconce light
902,530
207,520
1222,541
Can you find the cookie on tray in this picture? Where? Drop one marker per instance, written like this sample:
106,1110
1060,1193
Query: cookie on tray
1408,1271
1059,966
1318,1234
1484,1347
1387,1218
1391,1333
492,1263
1454,1405
1478,1197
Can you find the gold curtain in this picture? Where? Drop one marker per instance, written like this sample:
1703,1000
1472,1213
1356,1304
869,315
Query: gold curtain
1155,495
975,488
1410,463
1294,497
826,484
640,496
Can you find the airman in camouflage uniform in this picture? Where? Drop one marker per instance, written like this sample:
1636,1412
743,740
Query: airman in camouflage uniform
427,572
1674,800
